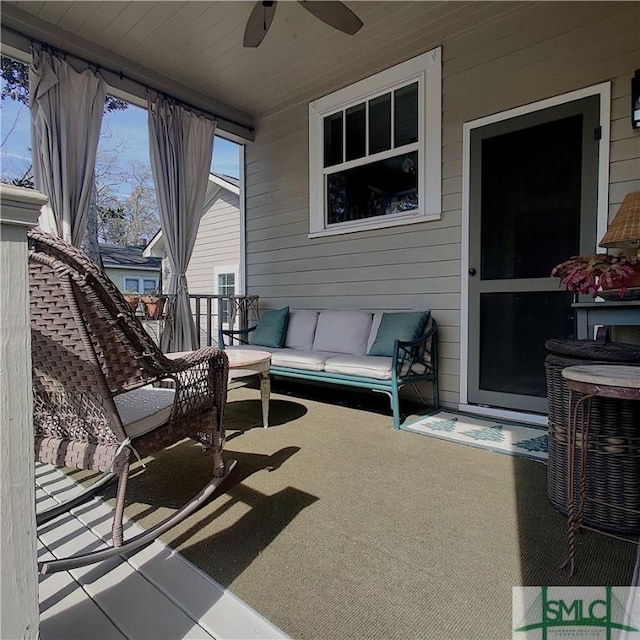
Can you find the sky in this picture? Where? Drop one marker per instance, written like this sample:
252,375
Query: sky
130,126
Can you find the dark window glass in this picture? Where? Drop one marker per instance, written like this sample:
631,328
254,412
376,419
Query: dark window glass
518,324
380,124
376,189
405,101
333,139
531,182
356,122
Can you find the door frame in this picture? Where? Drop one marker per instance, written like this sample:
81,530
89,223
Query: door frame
602,90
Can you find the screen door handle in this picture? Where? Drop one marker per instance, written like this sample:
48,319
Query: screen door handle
472,272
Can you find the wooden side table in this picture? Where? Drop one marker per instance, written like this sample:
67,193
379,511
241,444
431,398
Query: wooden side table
243,361
606,381
253,361
615,313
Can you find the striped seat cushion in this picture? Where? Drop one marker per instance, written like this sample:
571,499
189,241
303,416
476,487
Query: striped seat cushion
143,410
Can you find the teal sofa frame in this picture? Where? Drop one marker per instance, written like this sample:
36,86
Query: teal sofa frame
412,363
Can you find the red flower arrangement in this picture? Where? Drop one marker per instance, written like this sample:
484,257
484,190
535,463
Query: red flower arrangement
591,274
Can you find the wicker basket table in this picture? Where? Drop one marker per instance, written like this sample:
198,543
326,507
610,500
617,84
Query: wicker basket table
585,383
614,466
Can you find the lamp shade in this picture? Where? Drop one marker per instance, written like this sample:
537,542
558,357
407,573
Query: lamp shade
624,230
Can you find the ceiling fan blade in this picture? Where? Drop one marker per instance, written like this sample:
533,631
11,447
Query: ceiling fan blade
335,14
258,23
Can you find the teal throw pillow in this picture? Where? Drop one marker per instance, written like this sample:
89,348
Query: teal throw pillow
271,328
405,325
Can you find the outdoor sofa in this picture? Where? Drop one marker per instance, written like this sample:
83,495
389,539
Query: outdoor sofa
375,350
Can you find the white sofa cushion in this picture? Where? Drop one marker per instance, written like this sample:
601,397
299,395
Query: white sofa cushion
298,359
143,410
378,367
343,331
295,358
301,329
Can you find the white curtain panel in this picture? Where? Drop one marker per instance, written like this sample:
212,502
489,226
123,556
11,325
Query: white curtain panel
66,116
181,147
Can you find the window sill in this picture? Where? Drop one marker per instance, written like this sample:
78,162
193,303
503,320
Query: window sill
353,227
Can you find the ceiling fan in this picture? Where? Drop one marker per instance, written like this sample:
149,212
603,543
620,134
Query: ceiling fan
332,12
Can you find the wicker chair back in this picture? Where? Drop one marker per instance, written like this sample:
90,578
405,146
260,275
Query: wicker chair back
88,347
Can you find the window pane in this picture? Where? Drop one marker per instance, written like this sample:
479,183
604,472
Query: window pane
356,122
531,182
534,318
405,102
380,124
333,139
226,283
226,287
377,189
132,284
149,285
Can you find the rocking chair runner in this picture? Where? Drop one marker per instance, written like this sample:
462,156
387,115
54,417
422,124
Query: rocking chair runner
95,403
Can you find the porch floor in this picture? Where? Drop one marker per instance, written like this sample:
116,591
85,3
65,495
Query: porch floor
332,525
155,593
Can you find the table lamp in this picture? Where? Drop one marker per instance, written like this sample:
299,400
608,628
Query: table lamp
624,230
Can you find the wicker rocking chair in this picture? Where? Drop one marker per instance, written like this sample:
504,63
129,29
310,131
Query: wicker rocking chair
98,397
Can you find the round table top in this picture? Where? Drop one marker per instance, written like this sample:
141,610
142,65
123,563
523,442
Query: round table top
239,358
613,375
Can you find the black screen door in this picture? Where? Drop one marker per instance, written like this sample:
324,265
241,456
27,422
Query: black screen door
533,203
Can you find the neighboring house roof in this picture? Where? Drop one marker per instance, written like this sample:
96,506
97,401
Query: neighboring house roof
117,256
217,183
228,182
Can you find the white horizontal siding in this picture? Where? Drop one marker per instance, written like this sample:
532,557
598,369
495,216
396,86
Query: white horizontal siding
445,258
625,141
217,244
496,56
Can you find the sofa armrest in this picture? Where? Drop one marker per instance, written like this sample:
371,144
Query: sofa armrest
241,335
417,359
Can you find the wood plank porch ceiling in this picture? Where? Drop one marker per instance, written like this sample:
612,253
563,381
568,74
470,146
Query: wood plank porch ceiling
199,44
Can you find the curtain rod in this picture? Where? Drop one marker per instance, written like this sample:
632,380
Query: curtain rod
124,77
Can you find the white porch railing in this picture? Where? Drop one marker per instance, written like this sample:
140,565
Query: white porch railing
19,210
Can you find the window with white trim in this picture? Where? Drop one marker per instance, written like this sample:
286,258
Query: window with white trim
226,279
375,150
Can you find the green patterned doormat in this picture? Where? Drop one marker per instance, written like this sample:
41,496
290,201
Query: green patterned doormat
513,439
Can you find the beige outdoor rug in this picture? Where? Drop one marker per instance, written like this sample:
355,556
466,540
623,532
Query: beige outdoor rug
336,526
